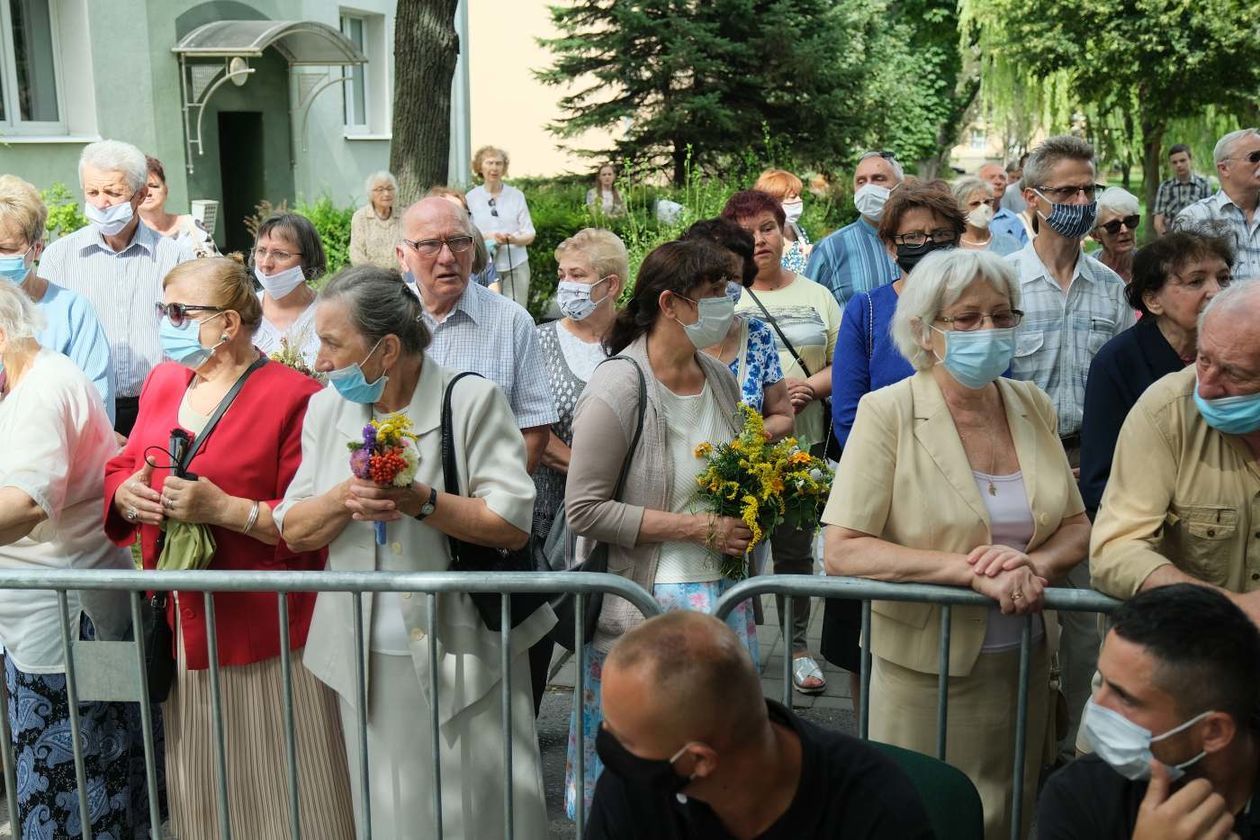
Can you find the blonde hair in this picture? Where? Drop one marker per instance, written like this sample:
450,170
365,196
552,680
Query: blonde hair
21,205
603,248
480,156
230,283
778,183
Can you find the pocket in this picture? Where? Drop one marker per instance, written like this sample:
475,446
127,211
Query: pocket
1101,330
1027,343
910,614
1200,539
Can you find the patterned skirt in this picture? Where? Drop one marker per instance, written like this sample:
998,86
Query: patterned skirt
700,597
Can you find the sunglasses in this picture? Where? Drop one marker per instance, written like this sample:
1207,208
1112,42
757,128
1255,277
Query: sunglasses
1254,157
1113,227
494,210
178,312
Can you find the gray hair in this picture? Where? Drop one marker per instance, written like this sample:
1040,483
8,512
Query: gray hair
381,177
936,283
1233,298
116,156
1118,200
892,161
1225,146
19,318
965,186
380,304
1051,151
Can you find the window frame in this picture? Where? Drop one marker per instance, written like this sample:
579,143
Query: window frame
12,122
349,100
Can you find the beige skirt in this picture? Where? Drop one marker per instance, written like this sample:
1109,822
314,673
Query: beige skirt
252,699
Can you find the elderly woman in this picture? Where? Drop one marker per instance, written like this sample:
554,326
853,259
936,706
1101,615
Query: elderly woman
374,227
1174,278
483,272
70,326
172,225
288,255
500,212
978,205
603,198
956,476
654,534
373,350
1118,218
209,316
57,440
785,187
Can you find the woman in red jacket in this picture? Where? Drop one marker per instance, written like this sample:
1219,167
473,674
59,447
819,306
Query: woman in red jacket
208,318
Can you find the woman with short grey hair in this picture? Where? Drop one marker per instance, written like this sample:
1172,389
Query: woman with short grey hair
1119,216
977,203
375,227
373,351
956,476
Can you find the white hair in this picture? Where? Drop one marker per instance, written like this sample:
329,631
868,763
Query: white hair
936,283
892,161
1225,146
381,177
1118,200
116,156
964,187
1233,298
19,318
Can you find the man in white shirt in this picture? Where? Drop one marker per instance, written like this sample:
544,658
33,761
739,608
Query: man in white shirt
1235,210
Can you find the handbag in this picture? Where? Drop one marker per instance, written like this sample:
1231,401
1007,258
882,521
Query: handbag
558,549
470,557
159,660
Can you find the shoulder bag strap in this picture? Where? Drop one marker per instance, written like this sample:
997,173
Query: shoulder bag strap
219,411
450,472
774,323
638,429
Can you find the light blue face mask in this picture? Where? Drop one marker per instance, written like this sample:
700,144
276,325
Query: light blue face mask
183,344
111,220
353,385
1238,415
14,268
977,357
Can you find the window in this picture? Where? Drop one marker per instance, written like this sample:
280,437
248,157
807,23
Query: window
978,140
29,68
355,110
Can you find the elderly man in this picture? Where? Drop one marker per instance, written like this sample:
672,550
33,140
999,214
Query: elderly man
1173,728
684,714
1235,210
117,263
1003,221
1073,305
1013,198
853,259
1179,191
1183,501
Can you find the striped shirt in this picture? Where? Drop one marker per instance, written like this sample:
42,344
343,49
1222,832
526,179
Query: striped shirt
1060,334
122,287
1219,214
492,335
1174,196
851,261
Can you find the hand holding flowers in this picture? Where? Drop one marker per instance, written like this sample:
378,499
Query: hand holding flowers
386,458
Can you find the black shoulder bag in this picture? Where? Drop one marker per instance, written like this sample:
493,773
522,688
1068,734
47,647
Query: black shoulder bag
159,639
470,557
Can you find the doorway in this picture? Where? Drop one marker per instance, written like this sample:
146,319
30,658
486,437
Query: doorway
241,166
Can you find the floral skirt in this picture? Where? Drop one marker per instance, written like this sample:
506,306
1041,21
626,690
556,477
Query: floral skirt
700,597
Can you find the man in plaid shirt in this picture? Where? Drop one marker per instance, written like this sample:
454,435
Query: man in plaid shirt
1180,191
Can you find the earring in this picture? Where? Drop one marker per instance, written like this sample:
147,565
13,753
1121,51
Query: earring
223,337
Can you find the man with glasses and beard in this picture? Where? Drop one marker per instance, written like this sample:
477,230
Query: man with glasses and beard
1235,210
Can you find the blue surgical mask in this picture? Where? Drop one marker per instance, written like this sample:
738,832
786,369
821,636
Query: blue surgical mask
1071,221
1125,746
1238,415
111,220
977,357
14,268
353,385
183,344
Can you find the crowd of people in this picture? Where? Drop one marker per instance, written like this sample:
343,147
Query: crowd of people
1008,412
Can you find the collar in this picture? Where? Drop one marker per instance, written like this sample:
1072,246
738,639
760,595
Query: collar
1222,200
866,227
425,408
144,237
469,302
1031,268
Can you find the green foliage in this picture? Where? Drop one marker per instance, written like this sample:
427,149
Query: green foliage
64,215
333,224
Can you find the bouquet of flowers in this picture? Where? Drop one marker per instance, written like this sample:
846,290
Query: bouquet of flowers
387,455
762,484
291,357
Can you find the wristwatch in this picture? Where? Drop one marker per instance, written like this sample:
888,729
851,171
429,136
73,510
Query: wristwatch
429,506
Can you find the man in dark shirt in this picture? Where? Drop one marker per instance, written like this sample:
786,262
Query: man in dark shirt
1182,662
691,749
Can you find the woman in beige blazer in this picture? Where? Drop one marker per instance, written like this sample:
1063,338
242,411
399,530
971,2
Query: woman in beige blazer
370,328
956,476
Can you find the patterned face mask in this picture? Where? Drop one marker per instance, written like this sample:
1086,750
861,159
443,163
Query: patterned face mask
1071,221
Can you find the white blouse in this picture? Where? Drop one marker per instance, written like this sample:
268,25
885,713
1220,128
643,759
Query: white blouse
301,334
509,214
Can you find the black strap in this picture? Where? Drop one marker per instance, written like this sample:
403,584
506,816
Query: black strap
771,320
219,411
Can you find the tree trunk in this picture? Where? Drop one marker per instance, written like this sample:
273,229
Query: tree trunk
1152,151
679,157
426,47
1126,179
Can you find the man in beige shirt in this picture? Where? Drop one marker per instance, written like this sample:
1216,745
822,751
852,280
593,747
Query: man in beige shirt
1183,501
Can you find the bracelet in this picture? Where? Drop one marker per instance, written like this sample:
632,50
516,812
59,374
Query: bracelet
253,518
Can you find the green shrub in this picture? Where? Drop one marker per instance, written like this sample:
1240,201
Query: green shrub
333,225
64,215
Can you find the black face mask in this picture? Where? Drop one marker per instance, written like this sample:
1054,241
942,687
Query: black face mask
908,256
656,775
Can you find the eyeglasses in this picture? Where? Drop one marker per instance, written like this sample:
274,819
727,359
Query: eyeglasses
1254,157
1062,195
494,210
178,312
968,321
261,254
918,237
1131,222
382,189
432,247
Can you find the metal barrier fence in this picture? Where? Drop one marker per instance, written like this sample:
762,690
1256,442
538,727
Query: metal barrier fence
1068,600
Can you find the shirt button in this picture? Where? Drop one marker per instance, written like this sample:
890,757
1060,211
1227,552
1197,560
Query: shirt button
396,548
1211,532
417,635
1258,535
1255,575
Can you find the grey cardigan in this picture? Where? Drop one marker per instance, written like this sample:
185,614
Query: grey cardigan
603,427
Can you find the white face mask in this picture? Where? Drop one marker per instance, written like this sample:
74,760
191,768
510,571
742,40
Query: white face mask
870,201
716,314
980,217
793,209
281,283
111,220
574,299
1125,746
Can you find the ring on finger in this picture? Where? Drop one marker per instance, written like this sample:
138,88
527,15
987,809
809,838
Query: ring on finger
168,503
132,514
1017,595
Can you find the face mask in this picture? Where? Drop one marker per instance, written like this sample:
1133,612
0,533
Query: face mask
793,209
715,319
734,291
353,385
14,268
574,299
183,344
282,282
654,774
870,201
111,220
980,217
1125,746
1232,415
977,357
908,256
1071,221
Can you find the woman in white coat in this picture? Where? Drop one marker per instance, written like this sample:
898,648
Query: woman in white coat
372,341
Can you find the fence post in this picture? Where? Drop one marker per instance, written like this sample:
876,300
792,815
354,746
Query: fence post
579,711
360,666
505,665
216,706
290,736
72,698
434,666
1021,727
864,651
146,715
942,689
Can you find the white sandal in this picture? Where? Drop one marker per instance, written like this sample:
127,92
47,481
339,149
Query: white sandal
803,668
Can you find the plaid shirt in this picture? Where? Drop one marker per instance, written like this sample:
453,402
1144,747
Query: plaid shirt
1174,196
1060,334
1219,214
851,261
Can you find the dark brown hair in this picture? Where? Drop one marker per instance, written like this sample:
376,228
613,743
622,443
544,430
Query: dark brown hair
1155,263
930,195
